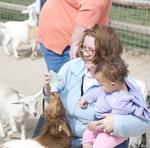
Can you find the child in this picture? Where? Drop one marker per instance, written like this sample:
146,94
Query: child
114,95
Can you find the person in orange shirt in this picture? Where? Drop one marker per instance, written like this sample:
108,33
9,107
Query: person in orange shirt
62,24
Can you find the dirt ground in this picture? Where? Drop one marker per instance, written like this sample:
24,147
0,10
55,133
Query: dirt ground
26,75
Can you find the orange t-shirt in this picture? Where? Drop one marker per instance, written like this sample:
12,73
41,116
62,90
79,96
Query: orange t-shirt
58,18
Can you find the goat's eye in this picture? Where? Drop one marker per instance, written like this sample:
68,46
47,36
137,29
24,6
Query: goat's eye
27,105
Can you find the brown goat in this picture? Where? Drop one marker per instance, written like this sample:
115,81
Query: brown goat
57,131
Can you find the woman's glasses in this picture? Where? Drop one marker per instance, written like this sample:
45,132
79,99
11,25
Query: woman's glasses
90,51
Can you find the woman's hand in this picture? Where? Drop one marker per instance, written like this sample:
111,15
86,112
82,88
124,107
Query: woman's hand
106,124
73,52
47,88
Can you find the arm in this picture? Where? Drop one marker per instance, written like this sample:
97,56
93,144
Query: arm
46,88
63,78
92,95
90,13
131,105
77,37
129,125
123,125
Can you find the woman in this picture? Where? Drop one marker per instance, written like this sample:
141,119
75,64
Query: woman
62,24
76,78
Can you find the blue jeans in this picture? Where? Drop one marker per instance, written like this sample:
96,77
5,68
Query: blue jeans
54,61
123,145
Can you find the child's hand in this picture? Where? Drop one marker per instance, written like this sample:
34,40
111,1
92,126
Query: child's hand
83,103
91,125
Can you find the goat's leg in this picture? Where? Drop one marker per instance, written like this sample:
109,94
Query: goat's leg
13,127
2,133
34,49
15,45
23,130
4,121
5,43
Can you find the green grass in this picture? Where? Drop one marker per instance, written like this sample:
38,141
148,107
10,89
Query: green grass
21,2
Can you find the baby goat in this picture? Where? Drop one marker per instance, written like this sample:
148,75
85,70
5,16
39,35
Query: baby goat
15,107
57,131
17,33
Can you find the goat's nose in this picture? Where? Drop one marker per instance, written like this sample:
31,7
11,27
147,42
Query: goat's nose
34,114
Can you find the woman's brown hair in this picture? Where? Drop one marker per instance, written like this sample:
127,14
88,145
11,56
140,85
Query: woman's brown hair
107,43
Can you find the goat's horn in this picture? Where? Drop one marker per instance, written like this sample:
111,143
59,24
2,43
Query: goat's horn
38,93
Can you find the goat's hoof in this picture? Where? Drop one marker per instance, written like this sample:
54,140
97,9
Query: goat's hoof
18,58
10,133
3,135
33,57
9,54
23,137
5,125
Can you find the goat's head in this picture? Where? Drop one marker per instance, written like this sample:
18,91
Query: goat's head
55,115
33,14
29,104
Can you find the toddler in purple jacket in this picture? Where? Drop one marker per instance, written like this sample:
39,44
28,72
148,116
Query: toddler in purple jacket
115,95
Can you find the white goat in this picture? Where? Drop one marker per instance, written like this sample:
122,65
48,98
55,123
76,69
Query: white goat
21,32
56,133
22,144
33,13
15,108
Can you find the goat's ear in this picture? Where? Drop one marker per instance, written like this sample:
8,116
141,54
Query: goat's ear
25,11
56,94
16,102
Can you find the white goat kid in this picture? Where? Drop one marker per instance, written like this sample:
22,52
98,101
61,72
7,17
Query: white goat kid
33,13
22,144
15,108
21,32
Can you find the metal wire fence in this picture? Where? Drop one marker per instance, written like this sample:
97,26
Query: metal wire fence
130,19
